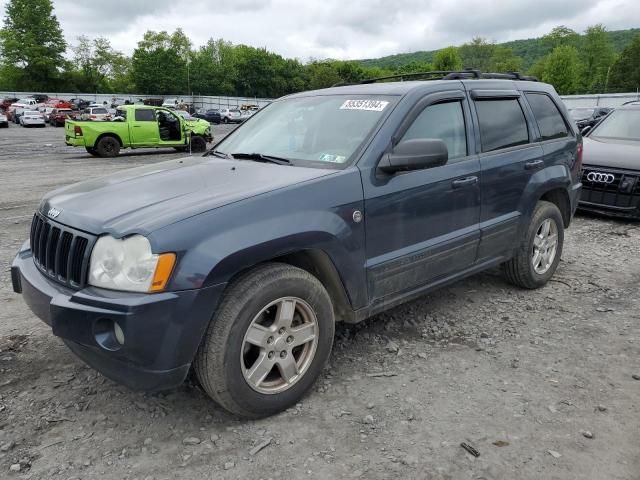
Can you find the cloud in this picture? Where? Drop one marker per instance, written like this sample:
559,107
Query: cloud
344,29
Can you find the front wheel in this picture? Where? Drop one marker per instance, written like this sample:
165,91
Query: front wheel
539,253
198,144
268,341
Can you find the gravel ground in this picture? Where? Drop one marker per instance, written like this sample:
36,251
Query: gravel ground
541,383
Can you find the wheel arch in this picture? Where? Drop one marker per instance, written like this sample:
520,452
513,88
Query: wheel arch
560,198
319,264
108,134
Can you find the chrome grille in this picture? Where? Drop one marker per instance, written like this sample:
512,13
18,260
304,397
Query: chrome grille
60,252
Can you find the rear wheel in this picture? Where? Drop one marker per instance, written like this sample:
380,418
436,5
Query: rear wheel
268,341
108,147
539,252
92,151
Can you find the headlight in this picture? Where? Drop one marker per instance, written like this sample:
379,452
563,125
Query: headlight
129,264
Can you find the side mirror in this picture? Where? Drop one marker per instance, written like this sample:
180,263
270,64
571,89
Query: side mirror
585,130
416,154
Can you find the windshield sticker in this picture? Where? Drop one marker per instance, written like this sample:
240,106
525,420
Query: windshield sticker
369,105
327,157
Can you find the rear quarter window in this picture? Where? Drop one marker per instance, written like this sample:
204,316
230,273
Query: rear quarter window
502,124
549,119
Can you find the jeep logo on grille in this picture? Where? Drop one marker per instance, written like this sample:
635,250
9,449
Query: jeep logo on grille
53,212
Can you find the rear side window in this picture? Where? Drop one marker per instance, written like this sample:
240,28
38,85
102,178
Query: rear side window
145,115
502,124
444,121
548,117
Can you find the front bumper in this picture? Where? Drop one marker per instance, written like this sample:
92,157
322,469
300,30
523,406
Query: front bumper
630,213
162,331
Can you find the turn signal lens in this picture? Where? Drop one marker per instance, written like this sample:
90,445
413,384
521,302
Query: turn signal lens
166,262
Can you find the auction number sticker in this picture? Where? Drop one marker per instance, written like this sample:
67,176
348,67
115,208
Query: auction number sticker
369,105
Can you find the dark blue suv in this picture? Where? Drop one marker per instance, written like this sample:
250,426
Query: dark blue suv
326,206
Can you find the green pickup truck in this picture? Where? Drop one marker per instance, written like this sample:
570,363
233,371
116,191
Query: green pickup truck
139,126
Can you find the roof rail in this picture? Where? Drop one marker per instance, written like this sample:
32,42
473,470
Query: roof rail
466,74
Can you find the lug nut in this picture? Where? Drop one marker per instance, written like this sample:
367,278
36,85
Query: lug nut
289,339
271,354
282,330
270,340
283,354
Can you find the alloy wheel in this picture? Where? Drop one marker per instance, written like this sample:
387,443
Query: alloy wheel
545,246
279,345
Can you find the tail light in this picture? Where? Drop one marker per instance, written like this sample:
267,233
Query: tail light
579,155
77,131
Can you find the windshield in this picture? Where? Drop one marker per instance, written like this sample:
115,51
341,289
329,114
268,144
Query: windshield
621,124
326,129
581,113
100,111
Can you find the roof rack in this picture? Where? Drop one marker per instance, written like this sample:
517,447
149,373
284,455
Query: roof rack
466,74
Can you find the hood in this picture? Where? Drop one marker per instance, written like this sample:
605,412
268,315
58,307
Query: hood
144,199
611,153
197,121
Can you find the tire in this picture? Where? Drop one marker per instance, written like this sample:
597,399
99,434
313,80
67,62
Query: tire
92,151
198,144
225,120
223,362
108,147
520,270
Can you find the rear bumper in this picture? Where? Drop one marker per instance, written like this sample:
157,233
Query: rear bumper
574,197
162,331
74,141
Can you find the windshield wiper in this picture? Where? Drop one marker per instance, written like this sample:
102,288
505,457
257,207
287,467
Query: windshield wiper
259,157
219,154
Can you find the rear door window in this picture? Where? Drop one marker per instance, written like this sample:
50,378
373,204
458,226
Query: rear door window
548,117
502,124
145,115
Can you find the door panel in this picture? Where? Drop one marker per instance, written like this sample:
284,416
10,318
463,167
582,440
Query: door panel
504,178
144,128
420,227
507,165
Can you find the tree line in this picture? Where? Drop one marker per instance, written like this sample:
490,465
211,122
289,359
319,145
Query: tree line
34,56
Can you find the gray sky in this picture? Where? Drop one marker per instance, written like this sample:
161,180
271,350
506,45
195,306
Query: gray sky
343,29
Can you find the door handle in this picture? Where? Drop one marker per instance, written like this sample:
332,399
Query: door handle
534,165
464,182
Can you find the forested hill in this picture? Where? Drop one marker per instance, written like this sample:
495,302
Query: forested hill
529,50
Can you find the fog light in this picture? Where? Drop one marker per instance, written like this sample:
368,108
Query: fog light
117,330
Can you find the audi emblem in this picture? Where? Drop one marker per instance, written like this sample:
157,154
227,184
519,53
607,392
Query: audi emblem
598,177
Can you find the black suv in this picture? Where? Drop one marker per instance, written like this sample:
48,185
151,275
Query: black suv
325,206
